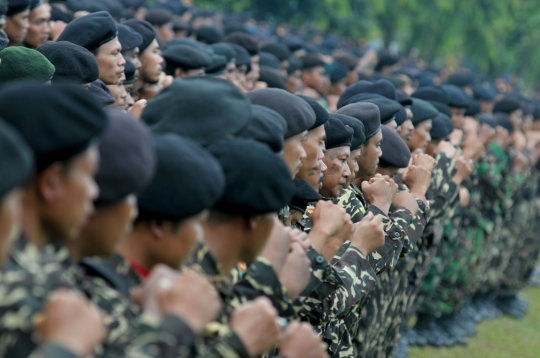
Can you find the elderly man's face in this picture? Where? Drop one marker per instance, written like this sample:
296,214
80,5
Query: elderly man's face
338,171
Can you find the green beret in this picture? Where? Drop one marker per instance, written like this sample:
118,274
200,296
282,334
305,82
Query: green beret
422,111
187,180
359,135
367,113
61,121
21,63
296,112
90,31
203,108
395,152
16,158
257,181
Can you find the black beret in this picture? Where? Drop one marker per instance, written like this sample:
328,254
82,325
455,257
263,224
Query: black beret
34,4
113,7
395,152
73,63
185,57
234,27
304,195
386,60
224,49
293,43
281,51
249,43
187,180
90,31
242,56
348,60
266,126
179,25
339,72
487,119
203,108
269,60
442,108
387,108
484,93
337,134
296,112
456,97
102,93
381,87
507,105
127,159
3,40
272,77
432,93
439,129
473,109
191,43
422,111
158,17
401,116
21,63
360,97
403,98
359,135
144,29
58,15
61,122
504,121
321,114
461,79
367,113
311,60
129,71
17,6
218,65
129,38
16,158
295,64
536,113
3,7
447,121
257,181
208,34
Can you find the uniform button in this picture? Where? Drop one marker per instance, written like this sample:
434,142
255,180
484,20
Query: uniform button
397,234
319,259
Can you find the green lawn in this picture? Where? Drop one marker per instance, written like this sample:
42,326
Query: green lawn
501,338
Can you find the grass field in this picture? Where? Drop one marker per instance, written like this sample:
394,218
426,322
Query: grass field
501,338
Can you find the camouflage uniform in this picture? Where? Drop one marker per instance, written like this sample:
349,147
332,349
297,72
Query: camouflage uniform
33,275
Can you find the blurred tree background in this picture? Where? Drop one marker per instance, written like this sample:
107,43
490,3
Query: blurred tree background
492,36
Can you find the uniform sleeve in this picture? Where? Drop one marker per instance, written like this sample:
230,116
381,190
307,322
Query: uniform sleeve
52,350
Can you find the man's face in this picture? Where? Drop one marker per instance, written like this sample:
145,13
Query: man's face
486,106
433,147
39,30
294,82
458,117
517,118
254,74
165,32
111,62
369,156
353,165
119,93
189,73
392,125
151,61
10,221
294,152
71,194
315,148
338,171
17,27
230,73
129,96
315,78
421,137
405,130
133,56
